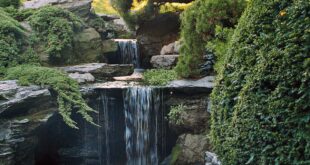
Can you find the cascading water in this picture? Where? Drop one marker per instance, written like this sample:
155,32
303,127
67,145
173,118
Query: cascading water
128,52
142,107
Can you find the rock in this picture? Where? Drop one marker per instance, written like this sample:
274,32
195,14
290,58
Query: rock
22,111
177,47
108,17
164,61
79,7
152,35
172,48
87,47
82,78
110,50
136,76
101,71
193,117
211,159
206,82
192,149
167,49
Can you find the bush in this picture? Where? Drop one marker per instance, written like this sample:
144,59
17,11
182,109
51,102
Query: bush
19,15
175,113
66,89
8,3
198,27
55,27
158,77
219,45
260,105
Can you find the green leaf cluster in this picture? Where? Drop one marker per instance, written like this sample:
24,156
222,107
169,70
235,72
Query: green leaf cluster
66,89
159,77
198,25
8,3
13,42
175,113
261,102
55,28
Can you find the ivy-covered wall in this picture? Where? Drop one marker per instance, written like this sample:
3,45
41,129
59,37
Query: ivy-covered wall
261,102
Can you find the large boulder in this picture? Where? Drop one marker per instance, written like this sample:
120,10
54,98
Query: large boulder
87,47
191,149
164,61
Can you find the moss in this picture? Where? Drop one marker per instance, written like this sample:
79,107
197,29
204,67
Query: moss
66,89
175,154
19,14
198,24
55,28
260,105
158,77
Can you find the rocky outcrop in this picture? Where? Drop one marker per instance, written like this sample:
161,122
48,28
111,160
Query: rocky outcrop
101,71
164,61
192,149
22,111
79,7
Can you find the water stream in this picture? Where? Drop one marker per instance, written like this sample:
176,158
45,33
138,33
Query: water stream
128,52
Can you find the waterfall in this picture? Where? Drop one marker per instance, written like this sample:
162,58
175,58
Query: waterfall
128,52
142,107
133,128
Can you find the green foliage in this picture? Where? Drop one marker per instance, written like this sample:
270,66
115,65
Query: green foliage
11,36
260,105
198,27
66,89
55,27
8,3
158,77
219,45
175,113
19,15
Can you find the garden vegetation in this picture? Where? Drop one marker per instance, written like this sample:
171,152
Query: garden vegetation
198,24
261,102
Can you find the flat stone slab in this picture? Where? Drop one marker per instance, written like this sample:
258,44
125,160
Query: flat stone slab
101,71
206,82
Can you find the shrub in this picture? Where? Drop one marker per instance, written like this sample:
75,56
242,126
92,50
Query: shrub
66,89
55,27
198,24
260,105
175,113
8,3
219,45
158,77
19,15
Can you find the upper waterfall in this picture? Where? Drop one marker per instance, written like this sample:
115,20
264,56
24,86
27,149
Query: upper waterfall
128,51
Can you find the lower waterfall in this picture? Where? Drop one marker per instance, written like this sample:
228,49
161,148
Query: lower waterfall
133,126
142,106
